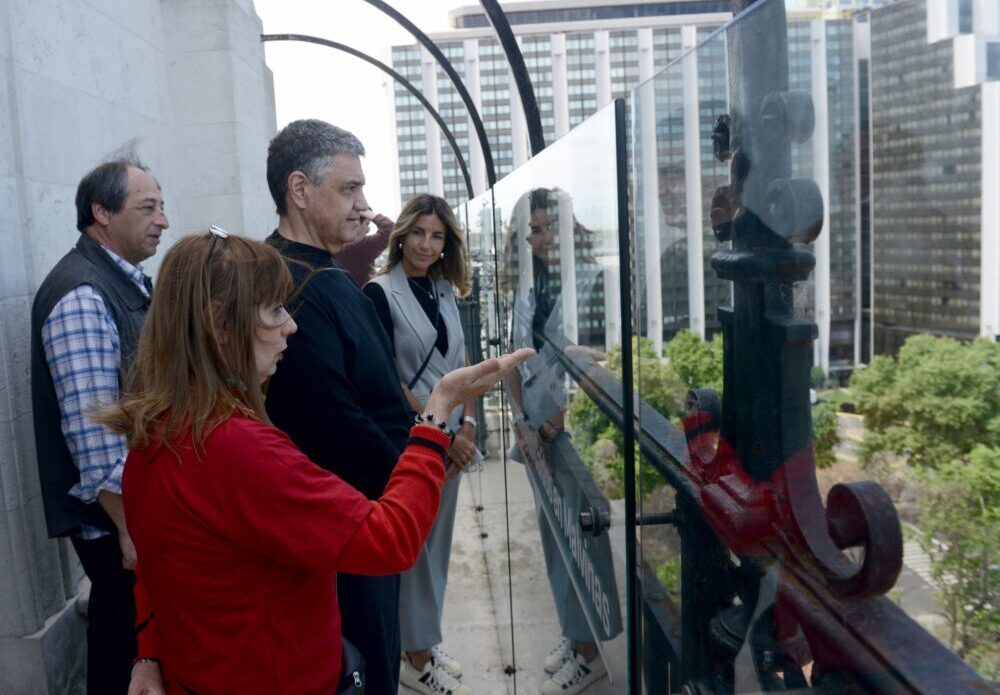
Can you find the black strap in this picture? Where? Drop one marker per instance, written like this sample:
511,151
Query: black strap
352,670
437,314
428,443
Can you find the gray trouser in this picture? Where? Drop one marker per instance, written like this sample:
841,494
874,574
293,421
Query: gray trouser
421,593
571,619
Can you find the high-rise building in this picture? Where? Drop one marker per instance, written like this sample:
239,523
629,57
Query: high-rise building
579,55
935,158
821,63
884,267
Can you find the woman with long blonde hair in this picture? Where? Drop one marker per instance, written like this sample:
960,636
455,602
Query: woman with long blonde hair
238,535
414,297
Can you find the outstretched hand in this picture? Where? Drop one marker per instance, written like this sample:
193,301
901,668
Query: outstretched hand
146,679
466,383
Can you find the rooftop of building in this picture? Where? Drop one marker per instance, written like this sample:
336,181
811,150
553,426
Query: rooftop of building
545,11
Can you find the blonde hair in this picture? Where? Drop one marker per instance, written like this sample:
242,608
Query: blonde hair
194,366
454,267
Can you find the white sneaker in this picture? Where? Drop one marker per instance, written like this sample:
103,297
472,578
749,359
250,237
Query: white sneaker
558,656
446,661
575,675
432,680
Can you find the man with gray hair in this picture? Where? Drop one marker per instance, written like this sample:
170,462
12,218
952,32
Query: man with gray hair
85,325
336,392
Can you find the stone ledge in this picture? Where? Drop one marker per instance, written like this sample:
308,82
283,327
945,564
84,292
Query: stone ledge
52,660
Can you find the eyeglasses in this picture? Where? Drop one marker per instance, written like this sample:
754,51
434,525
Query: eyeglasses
217,233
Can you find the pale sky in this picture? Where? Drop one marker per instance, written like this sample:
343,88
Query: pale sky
312,81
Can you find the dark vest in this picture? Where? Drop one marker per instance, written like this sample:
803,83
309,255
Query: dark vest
88,264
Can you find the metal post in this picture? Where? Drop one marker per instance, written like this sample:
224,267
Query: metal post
768,353
632,596
704,592
396,76
470,104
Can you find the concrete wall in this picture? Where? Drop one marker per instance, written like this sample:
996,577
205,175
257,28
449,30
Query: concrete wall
78,79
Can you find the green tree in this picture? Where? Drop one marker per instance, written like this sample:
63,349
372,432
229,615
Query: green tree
817,377
937,407
960,520
825,434
657,384
669,574
933,403
697,363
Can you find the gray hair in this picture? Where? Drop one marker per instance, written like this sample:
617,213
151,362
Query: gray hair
308,146
106,184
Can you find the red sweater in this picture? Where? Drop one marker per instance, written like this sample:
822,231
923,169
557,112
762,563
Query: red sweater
238,548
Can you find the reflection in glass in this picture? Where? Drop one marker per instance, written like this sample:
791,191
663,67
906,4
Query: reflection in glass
893,170
554,290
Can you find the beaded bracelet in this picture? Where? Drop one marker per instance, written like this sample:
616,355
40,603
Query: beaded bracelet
429,419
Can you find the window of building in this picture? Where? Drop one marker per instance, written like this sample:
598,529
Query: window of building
993,60
965,16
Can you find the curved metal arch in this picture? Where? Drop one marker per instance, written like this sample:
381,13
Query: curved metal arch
446,65
396,76
532,116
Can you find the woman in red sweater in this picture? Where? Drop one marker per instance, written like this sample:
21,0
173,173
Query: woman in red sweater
238,534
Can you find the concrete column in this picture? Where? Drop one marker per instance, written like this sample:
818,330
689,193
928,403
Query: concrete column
567,269
477,165
521,217
650,201
388,88
692,183
602,67
42,636
518,124
222,99
612,306
435,175
942,19
560,87
187,82
986,17
821,173
989,281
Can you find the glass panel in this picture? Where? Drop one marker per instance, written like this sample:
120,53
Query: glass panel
679,346
849,185
558,284
487,503
931,203
814,234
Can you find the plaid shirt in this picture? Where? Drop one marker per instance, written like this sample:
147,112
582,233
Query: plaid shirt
82,348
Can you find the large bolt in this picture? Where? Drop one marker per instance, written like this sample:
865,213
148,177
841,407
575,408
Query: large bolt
722,212
787,116
794,209
594,521
720,138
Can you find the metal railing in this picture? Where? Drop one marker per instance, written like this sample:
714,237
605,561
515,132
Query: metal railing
779,591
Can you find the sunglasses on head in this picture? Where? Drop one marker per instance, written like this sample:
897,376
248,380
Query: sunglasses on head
217,233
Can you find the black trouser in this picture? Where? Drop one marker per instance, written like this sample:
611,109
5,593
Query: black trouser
369,617
111,645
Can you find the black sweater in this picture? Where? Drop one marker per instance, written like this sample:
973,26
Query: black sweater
336,392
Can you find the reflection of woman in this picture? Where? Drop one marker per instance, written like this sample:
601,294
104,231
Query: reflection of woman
414,296
539,400
238,534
